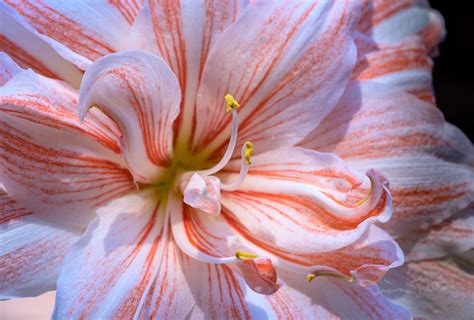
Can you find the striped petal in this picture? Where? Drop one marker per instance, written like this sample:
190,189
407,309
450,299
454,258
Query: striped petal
393,44
452,236
183,33
26,47
141,94
32,251
392,21
81,31
51,163
350,301
221,294
301,200
8,68
110,269
169,295
207,239
329,298
427,161
282,60
404,65
431,289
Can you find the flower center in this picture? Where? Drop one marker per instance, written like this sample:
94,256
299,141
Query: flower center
201,189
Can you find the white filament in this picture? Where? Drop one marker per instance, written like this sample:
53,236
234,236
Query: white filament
244,169
230,148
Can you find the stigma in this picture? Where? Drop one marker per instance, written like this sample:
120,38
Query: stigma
202,190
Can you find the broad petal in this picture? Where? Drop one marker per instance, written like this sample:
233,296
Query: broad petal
427,161
301,200
431,290
183,33
454,235
111,268
51,164
81,31
207,239
32,251
282,61
29,50
141,94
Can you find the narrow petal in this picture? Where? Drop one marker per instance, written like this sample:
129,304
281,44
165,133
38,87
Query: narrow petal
51,163
427,161
8,68
300,200
111,268
183,33
141,94
431,290
32,251
294,62
452,236
81,31
30,50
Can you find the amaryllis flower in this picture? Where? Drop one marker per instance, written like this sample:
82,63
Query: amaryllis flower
225,159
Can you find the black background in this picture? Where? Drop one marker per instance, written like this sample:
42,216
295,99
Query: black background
454,67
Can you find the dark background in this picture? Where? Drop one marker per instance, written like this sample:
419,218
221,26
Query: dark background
454,67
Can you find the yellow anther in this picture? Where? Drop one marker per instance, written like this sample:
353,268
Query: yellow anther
231,103
242,255
248,152
310,277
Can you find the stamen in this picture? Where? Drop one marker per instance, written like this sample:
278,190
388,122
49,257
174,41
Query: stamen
232,105
247,152
242,255
310,277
